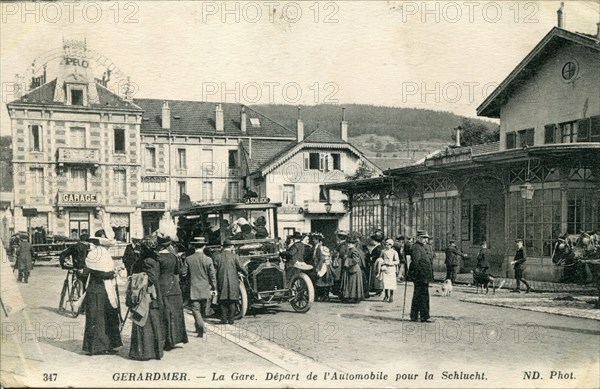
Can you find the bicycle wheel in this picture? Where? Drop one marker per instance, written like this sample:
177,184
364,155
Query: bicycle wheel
62,305
74,296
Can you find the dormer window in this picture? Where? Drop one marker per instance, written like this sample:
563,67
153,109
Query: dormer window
255,122
76,95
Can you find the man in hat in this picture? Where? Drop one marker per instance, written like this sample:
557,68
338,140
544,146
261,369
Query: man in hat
295,253
421,273
77,252
483,261
453,255
24,261
373,252
519,266
228,286
399,247
203,283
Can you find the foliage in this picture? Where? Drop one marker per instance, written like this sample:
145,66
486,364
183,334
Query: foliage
403,124
363,171
473,133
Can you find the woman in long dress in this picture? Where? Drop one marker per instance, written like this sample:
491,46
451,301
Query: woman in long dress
374,249
101,334
146,333
388,269
170,292
352,279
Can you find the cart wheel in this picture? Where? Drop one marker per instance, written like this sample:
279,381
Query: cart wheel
242,306
303,292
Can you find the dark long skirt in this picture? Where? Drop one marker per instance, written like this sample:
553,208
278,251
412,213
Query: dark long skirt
173,321
147,341
352,286
101,320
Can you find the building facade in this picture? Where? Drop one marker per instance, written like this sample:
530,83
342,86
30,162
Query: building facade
76,155
296,173
540,181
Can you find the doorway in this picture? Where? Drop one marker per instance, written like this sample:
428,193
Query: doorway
150,222
480,223
79,223
327,227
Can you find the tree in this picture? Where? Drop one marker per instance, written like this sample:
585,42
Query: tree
363,171
378,145
390,147
475,133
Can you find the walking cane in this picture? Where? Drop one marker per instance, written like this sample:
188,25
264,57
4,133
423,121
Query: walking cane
118,301
404,302
122,324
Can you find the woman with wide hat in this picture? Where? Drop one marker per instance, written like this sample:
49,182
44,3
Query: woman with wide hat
102,333
352,279
146,306
170,293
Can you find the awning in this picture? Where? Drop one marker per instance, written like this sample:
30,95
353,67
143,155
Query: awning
119,220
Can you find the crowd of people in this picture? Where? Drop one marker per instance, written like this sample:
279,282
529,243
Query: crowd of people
162,280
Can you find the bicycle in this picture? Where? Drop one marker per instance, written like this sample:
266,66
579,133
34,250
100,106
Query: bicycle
72,288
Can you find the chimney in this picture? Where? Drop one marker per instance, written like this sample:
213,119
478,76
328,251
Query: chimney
166,116
243,120
458,129
299,127
219,118
559,13
344,126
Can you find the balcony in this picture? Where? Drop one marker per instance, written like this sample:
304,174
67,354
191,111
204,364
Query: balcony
78,156
78,199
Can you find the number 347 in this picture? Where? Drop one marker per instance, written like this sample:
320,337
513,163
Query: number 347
50,376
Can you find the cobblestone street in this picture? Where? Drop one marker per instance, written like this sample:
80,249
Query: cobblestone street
372,336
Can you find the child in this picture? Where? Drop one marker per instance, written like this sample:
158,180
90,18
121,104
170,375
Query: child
389,260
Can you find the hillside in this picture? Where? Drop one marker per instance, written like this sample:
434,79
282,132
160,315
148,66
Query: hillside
402,124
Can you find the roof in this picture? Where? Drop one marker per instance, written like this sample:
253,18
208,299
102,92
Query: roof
322,135
263,151
198,118
44,95
545,48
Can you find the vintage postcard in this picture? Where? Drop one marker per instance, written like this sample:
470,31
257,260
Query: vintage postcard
266,194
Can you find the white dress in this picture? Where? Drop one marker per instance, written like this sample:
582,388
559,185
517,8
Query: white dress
388,268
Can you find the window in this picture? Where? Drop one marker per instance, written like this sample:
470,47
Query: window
77,137
151,157
568,132
37,177
288,231
526,137
119,140
208,166
288,194
337,161
323,194
536,221
78,179
569,71
181,159
233,159
313,161
440,220
255,122
583,211
511,140
234,190
588,129
154,188
207,191
181,188
120,225
120,183
35,132
550,135
76,97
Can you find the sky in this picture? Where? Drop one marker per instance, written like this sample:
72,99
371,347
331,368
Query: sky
426,54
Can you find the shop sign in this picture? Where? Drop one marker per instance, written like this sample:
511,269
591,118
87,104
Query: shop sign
85,198
153,205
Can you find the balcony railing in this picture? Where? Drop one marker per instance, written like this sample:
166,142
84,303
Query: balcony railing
78,155
83,198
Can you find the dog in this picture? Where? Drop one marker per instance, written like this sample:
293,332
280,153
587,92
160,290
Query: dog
483,280
447,288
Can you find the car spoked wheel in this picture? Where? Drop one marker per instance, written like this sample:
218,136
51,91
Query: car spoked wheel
303,293
242,306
